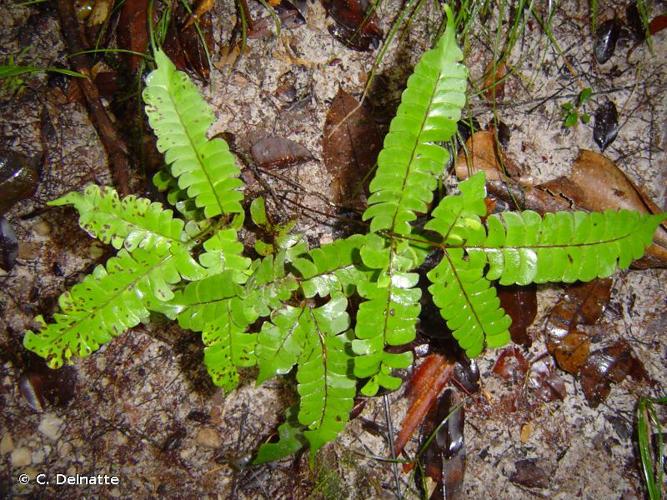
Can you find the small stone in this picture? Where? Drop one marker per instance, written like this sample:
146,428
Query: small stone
51,426
6,444
38,456
21,457
208,438
42,228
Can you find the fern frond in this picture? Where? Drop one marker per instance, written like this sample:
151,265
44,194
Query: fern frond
177,197
325,385
180,118
332,268
468,302
410,160
523,247
224,252
110,301
228,346
290,441
281,341
389,314
130,222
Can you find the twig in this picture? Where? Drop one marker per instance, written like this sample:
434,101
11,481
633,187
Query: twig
113,144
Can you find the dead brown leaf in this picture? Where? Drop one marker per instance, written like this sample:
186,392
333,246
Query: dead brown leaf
481,152
426,384
607,366
580,304
350,147
520,302
277,152
494,81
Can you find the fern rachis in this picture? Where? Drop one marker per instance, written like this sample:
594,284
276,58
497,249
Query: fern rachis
299,297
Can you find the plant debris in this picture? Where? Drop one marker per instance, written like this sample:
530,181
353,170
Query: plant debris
581,304
606,37
19,176
605,128
9,245
277,152
350,146
355,25
607,366
520,302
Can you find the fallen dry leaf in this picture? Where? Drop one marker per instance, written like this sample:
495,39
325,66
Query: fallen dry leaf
444,460
520,302
608,366
494,81
511,365
426,384
355,25
544,381
277,152
350,147
596,183
580,304
605,127
132,30
481,152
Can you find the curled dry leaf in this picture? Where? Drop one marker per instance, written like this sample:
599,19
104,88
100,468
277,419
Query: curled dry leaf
530,473
184,45
19,176
481,152
511,365
657,24
350,147
277,152
40,385
605,128
544,381
355,25
520,302
608,366
426,384
582,303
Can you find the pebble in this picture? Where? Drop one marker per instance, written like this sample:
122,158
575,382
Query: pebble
6,444
208,438
21,457
51,426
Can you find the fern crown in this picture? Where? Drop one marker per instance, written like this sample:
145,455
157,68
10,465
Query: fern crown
303,295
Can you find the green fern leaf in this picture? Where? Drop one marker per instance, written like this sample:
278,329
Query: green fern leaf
177,197
110,301
290,441
326,388
410,160
281,341
523,247
180,118
468,302
131,222
389,314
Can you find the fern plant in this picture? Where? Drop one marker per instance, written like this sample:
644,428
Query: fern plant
193,269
